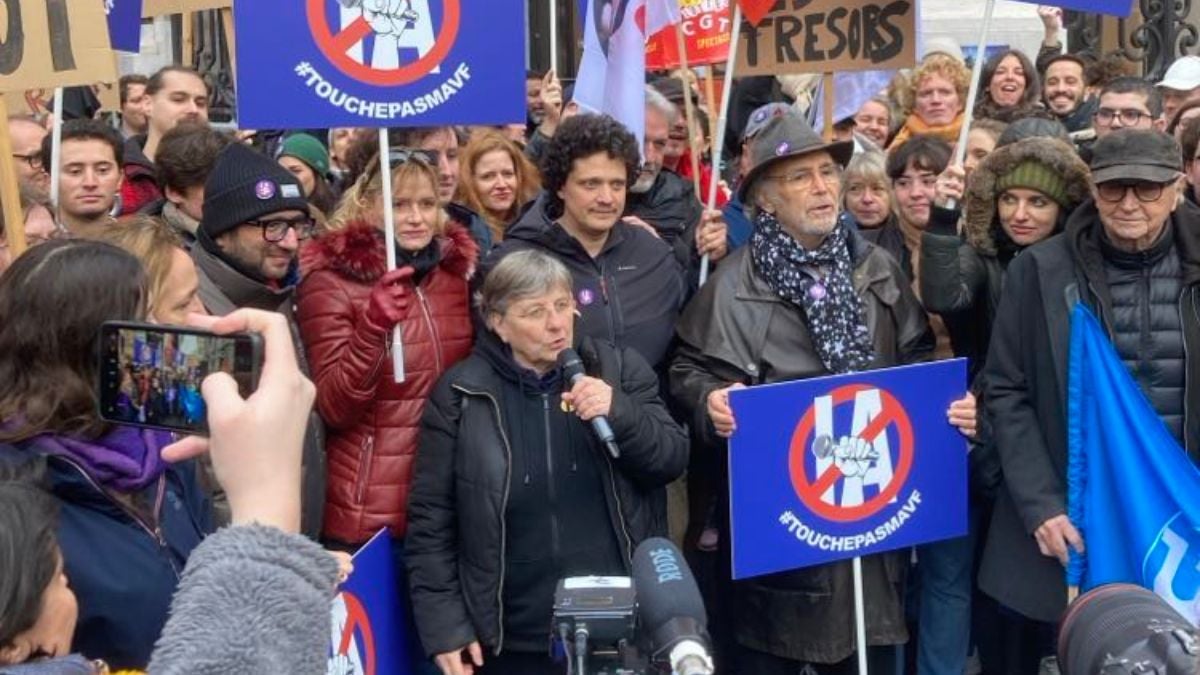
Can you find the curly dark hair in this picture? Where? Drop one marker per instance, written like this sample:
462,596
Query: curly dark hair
187,154
583,136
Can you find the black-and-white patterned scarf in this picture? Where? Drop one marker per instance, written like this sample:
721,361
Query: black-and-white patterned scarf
819,283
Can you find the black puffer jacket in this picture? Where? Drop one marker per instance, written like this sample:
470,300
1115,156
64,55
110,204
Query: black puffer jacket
457,525
1145,326
630,295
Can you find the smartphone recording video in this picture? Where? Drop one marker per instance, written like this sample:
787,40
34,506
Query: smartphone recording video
150,375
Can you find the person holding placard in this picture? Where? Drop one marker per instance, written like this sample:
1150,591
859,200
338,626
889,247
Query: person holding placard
806,297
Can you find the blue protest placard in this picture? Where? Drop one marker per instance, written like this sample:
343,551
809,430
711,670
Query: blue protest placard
124,24
367,63
844,466
368,632
1114,7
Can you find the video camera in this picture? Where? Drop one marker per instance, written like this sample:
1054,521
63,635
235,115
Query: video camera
1120,629
627,626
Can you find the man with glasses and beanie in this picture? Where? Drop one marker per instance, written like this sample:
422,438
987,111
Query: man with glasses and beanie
1132,254
806,297
255,216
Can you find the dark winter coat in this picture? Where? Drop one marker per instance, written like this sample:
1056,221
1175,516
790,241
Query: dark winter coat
1026,375
738,330
140,187
223,289
631,294
457,536
962,276
671,207
372,421
123,566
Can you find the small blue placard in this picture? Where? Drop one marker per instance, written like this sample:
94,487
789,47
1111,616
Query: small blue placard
124,24
1121,8
368,633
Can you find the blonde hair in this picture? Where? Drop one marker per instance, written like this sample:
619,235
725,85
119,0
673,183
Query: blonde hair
362,201
942,65
529,183
153,243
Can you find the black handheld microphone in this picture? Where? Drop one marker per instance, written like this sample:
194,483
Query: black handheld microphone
670,607
572,369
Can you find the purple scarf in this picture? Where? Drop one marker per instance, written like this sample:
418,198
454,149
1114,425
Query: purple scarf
126,459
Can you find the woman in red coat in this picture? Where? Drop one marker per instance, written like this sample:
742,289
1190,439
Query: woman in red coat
348,304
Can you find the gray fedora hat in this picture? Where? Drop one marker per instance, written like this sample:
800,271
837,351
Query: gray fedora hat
786,136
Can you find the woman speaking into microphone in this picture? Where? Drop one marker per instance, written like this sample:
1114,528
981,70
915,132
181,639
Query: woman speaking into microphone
513,490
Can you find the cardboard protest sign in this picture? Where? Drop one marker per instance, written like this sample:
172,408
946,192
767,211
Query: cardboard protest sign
1115,7
838,467
829,36
54,43
705,25
124,24
367,628
338,63
164,7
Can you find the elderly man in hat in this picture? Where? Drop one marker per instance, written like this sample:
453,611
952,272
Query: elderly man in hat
1132,254
807,297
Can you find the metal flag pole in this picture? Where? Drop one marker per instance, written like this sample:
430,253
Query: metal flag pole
389,234
860,616
722,122
554,35
960,150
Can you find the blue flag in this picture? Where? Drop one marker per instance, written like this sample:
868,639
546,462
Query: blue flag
1132,491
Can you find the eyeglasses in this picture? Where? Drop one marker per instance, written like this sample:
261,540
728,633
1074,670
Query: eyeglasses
34,161
277,230
1128,116
804,179
1145,192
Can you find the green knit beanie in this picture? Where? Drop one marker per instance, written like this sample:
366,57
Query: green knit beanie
1034,175
308,150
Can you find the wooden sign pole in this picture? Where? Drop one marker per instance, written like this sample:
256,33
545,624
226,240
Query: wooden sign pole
187,39
10,194
693,142
227,25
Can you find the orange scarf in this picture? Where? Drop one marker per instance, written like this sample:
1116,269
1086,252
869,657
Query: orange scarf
915,125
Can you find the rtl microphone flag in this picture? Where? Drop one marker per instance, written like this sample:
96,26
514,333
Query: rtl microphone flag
1132,491
612,75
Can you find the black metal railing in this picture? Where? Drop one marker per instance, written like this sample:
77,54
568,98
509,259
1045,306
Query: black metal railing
1164,34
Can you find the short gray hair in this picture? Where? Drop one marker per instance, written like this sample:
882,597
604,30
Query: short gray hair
521,275
655,99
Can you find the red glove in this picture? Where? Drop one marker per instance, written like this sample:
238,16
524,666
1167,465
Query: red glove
390,298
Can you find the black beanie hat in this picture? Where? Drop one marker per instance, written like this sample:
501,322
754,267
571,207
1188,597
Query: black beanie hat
245,185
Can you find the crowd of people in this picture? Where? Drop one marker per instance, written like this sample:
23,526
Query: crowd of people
122,549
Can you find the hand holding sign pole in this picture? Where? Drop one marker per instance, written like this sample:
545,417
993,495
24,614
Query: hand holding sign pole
389,235
722,122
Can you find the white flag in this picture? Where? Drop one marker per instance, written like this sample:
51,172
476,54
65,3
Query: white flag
612,75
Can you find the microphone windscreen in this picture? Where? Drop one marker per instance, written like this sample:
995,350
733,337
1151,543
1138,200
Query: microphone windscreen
665,586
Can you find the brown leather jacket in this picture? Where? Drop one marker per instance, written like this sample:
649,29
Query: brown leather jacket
738,330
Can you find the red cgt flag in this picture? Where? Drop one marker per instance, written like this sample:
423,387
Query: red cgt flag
755,10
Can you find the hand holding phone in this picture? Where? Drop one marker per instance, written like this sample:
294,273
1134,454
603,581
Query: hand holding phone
256,442
150,375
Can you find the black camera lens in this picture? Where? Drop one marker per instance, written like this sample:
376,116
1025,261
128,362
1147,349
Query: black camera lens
1119,624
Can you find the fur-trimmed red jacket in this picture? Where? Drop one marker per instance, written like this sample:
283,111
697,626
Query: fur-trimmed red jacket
372,421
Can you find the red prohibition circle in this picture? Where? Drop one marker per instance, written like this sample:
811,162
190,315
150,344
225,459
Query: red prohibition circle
336,47
357,619
810,491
